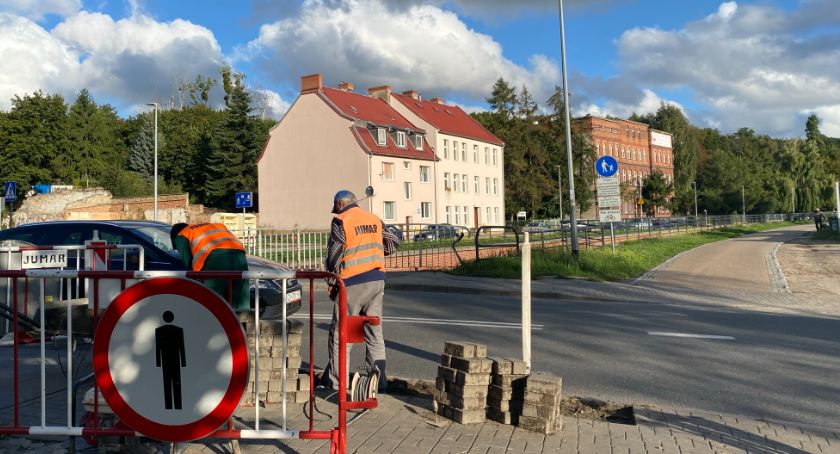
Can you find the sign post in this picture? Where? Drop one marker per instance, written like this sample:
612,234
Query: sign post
609,193
244,200
171,359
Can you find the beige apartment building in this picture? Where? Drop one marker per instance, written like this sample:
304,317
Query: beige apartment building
332,139
469,172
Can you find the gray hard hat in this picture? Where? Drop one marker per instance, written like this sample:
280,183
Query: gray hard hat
343,196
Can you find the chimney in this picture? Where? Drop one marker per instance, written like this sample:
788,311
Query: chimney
345,86
382,92
413,94
436,100
311,83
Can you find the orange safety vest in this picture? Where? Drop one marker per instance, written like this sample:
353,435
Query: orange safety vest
363,250
205,238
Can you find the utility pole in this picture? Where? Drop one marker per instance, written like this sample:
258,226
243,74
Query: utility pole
743,205
155,214
560,192
694,184
572,202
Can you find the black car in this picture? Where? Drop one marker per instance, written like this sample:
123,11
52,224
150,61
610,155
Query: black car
157,248
436,232
395,230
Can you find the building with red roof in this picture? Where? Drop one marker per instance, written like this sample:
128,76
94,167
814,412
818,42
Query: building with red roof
469,173
332,139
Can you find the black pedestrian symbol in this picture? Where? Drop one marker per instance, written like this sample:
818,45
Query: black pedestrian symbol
170,357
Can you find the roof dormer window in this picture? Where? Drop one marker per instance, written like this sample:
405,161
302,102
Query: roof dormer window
400,139
381,137
418,141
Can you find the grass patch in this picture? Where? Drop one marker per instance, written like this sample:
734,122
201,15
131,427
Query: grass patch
631,258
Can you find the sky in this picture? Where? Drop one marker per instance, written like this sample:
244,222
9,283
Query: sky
761,64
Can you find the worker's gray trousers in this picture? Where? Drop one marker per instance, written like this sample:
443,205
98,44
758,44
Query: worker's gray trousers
362,299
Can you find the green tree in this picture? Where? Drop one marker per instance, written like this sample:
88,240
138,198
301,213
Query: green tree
93,132
503,99
656,192
526,107
686,146
141,152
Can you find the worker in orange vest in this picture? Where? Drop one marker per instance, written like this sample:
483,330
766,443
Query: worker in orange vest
212,247
356,251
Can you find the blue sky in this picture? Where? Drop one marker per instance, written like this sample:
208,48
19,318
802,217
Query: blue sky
764,64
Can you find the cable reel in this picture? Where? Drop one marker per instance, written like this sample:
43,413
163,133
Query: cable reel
364,384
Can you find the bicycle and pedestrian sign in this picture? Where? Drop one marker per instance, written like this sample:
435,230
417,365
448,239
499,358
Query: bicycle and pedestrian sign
171,359
244,199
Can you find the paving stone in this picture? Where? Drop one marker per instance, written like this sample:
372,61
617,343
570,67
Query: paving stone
463,416
505,392
446,360
463,378
461,390
456,401
502,366
539,425
505,405
542,399
544,383
515,381
472,365
502,417
460,349
447,373
546,412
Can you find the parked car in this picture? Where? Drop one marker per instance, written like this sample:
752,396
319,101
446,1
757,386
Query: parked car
536,227
395,230
436,232
157,246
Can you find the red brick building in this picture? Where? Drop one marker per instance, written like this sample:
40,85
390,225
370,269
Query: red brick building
639,150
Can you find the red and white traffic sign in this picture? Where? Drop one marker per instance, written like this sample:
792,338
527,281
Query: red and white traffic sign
171,359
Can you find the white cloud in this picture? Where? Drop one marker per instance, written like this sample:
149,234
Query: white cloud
37,9
420,47
749,65
130,61
648,103
268,103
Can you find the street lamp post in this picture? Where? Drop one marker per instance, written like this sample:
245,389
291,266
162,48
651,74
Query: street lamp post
694,185
572,210
155,214
743,206
560,191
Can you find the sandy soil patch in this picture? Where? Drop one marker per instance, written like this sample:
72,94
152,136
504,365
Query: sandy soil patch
811,266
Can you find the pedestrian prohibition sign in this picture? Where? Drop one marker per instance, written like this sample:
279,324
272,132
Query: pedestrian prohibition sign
171,359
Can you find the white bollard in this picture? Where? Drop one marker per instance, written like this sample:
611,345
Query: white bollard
526,302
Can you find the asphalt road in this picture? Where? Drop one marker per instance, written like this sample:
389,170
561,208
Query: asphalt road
780,367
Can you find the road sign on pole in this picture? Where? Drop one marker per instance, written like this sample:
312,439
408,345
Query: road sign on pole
244,200
10,191
606,166
171,359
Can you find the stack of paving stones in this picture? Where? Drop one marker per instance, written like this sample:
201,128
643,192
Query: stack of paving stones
507,390
271,361
541,407
461,384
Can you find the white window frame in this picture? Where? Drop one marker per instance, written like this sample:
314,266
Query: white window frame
407,190
487,156
489,218
487,185
384,174
393,209
418,141
427,172
477,184
455,180
464,185
454,150
495,186
407,165
475,153
496,211
464,151
425,210
445,149
495,157
381,137
400,139
467,216
448,214
446,181
457,214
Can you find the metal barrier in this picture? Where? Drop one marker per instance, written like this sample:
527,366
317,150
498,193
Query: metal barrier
350,330
502,245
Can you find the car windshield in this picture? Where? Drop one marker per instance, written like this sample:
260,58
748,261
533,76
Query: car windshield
157,235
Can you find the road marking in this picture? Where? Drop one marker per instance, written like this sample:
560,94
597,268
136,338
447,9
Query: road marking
436,321
692,336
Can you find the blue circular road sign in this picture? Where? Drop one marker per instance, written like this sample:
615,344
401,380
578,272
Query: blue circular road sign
606,166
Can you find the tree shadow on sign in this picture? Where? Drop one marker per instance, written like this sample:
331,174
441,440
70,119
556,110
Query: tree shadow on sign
717,432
